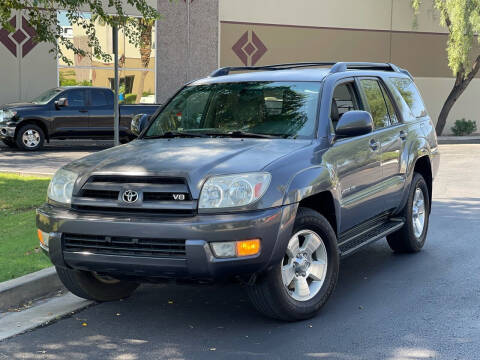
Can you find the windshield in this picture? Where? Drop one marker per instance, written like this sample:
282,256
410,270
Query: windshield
46,96
283,109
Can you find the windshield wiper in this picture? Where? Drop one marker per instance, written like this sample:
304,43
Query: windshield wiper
173,134
243,134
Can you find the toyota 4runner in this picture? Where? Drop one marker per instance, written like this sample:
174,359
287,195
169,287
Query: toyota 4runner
269,176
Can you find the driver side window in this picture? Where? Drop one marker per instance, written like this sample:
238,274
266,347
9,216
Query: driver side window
345,98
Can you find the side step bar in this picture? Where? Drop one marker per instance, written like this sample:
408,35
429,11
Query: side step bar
357,240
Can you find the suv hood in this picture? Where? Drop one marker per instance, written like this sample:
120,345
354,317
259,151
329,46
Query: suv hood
193,159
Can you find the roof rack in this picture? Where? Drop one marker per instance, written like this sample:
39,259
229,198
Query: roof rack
336,67
344,66
227,70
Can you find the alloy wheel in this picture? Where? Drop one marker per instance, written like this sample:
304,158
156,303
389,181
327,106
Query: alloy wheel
418,212
31,138
304,266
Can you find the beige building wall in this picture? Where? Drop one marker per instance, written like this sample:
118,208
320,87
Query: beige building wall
24,75
345,30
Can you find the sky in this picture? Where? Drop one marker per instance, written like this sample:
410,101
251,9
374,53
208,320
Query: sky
62,18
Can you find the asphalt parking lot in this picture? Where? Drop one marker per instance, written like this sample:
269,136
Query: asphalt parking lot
54,155
386,306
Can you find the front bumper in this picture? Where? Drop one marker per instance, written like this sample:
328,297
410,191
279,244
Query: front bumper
272,226
7,132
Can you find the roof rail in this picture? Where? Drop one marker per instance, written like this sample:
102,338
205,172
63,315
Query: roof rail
336,67
344,66
227,70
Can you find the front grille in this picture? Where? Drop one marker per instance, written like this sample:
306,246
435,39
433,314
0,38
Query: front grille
127,246
158,196
126,179
152,196
100,194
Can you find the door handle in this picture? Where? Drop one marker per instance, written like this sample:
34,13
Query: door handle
373,145
83,110
403,135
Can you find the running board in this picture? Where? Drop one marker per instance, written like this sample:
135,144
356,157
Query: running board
357,240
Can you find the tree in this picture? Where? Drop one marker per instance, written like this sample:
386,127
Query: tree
462,20
145,51
42,16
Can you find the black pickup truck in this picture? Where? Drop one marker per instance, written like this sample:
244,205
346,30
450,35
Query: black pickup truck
79,112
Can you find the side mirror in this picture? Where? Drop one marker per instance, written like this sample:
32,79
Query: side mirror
61,102
354,123
139,122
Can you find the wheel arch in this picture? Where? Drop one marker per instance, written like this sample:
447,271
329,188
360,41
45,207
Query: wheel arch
314,188
423,166
41,124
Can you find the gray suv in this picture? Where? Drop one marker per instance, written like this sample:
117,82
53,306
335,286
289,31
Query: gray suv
268,177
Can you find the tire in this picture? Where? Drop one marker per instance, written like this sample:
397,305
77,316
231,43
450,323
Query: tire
90,286
271,297
30,137
10,143
409,239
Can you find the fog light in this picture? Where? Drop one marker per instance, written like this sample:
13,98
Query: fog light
43,237
224,249
248,247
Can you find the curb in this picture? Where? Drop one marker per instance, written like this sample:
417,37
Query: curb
44,312
27,173
459,139
29,287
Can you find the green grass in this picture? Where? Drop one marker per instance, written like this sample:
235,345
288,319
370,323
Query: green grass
20,253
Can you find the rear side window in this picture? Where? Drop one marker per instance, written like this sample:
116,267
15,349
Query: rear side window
376,103
98,98
391,109
408,91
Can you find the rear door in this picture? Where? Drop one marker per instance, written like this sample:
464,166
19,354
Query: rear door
391,134
100,108
72,120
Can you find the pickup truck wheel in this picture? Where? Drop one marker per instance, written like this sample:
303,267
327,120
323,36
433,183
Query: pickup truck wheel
411,237
30,137
91,286
9,143
301,284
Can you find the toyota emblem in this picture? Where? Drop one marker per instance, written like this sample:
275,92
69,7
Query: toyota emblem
130,196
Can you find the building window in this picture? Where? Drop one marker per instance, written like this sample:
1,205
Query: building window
137,73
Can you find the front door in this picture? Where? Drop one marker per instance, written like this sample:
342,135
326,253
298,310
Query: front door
71,120
355,162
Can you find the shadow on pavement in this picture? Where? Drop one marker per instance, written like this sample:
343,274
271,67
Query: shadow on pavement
62,146
386,306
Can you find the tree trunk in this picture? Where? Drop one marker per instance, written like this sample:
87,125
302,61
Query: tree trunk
141,85
461,83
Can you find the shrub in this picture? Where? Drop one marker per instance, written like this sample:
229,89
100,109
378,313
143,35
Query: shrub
130,98
464,127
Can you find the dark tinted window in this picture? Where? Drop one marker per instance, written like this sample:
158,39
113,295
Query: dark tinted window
344,99
409,92
75,97
390,107
98,97
375,102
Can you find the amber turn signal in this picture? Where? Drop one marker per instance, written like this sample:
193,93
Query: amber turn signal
40,236
248,247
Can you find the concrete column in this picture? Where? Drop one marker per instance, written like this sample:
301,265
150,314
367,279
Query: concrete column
187,43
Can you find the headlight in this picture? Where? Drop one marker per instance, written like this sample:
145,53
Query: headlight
61,186
233,190
8,114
